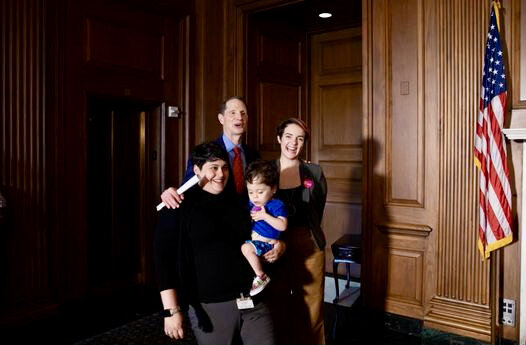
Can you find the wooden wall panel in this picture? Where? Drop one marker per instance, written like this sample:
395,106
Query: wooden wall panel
211,75
340,55
401,261
338,104
402,147
24,243
405,119
441,193
122,50
436,186
114,45
463,279
179,132
410,262
403,114
346,180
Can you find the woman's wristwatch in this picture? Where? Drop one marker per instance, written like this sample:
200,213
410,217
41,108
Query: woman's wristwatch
171,311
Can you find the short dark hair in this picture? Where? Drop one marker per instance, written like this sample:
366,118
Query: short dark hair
292,121
222,106
209,151
265,172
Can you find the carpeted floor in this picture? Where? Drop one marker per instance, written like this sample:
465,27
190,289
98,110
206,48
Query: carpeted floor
346,322
149,329
134,319
146,330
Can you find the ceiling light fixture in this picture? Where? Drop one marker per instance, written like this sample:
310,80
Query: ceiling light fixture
325,15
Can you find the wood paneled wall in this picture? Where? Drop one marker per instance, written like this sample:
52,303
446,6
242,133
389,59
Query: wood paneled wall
23,168
400,133
55,55
463,279
421,74
422,65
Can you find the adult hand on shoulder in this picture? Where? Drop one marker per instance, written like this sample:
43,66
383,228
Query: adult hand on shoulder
276,252
173,326
171,198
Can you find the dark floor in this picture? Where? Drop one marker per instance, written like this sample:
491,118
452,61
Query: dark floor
356,325
135,320
75,321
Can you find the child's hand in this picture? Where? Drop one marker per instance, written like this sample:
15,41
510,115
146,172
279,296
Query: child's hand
258,215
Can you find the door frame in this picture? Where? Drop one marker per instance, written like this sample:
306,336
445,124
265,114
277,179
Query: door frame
235,19
234,64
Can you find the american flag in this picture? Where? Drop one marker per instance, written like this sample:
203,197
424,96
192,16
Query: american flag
490,148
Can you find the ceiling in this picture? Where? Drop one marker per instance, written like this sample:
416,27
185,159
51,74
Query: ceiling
345,13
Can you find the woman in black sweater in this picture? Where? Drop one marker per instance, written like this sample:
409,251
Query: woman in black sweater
201,271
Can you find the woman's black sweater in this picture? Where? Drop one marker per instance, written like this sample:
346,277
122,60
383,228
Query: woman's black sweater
198,248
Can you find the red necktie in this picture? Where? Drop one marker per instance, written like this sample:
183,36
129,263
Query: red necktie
239,177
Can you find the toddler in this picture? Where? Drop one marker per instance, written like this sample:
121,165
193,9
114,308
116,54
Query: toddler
269,216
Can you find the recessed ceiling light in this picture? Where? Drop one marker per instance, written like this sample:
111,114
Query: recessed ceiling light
325,15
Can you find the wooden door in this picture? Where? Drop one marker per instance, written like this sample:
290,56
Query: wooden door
135,58
123,179
336,113
276,80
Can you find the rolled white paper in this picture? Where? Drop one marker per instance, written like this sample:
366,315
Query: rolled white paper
191,182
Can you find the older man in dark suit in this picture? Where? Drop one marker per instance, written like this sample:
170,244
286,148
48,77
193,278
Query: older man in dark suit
233,117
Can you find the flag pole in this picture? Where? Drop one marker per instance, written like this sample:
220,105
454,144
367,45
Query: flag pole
495,200
496,7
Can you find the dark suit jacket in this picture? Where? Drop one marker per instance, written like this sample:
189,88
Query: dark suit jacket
250,156
315,197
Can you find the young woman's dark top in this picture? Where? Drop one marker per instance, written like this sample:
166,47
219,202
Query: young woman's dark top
197,248
306,202
298,212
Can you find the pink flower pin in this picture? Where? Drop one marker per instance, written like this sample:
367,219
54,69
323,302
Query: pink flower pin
308,183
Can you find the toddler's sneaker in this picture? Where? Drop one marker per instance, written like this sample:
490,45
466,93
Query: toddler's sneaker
258,284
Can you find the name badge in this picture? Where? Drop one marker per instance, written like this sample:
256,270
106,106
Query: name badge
244,302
